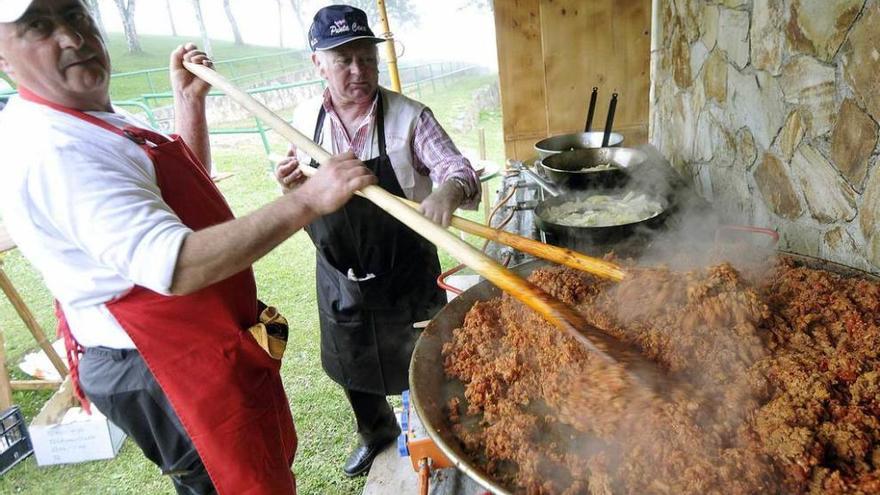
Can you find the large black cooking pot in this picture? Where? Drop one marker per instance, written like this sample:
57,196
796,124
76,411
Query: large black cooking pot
597,240
431,390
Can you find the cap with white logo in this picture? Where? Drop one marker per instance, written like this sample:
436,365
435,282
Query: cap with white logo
337,25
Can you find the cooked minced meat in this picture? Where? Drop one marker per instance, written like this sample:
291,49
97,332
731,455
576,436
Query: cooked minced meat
782,395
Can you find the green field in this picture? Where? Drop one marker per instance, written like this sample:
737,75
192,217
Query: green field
285,278
157,49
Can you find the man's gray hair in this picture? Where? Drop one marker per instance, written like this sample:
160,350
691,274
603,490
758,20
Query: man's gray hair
325,56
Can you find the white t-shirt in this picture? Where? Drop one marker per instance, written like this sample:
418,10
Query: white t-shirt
83,205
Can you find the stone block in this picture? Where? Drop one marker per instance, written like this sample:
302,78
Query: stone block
715,76
819,27
807,82
777,188
839,245
768,35
869,210
746,150
861,59
681,60
829,198
698,57
709,25
799,238
733,36
793,132
756,101
852,142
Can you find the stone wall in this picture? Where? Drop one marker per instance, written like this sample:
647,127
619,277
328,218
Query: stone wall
483,99
772,108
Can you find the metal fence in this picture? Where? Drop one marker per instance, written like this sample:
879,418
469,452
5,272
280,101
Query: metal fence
242,71
422,77
415,79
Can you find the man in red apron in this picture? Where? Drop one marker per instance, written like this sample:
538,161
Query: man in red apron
150,269
375,276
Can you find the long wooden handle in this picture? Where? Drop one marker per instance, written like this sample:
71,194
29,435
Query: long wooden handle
556,312
562,256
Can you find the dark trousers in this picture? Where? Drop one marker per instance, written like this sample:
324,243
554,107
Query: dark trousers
119,383
376,422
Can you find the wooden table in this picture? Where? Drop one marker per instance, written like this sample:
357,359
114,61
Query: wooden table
7,385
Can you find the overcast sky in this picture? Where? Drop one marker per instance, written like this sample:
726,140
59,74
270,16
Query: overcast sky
445,31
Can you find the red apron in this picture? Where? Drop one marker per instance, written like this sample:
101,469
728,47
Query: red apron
226,390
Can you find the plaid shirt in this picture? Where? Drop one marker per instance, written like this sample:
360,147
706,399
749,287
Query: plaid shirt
435,153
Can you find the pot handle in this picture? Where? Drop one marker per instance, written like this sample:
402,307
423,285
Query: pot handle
441,280
544,183
746,228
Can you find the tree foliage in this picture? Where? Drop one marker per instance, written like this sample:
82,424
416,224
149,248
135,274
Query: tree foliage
479,4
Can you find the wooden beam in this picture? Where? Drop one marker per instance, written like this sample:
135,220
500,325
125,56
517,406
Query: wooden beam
5,388
30,322
35,384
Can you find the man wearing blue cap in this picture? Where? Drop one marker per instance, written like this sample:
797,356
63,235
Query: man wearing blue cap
375,276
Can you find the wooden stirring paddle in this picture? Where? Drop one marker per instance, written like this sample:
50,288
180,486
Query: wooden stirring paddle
554,311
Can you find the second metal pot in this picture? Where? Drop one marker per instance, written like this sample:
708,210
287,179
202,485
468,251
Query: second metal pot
577,141
576,169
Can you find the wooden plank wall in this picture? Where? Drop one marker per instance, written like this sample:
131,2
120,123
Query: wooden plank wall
550,55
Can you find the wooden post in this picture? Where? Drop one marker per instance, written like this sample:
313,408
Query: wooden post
28,318
484,184
5,386
390,51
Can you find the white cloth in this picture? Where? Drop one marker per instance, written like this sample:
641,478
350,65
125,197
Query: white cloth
84,207
401,116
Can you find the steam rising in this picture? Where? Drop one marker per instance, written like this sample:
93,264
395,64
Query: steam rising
554,419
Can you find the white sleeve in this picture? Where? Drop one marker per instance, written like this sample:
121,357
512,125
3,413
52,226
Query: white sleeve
110,207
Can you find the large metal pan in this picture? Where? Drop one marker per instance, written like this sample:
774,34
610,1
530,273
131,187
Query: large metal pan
574,237
577,141
576,169
431,389
626,239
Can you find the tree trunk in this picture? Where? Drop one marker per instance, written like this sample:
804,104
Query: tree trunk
298,14
229,15
95,9
206,42
280,26
171,18
126,12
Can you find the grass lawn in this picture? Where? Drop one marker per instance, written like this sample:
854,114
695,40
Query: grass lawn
157,48
285,278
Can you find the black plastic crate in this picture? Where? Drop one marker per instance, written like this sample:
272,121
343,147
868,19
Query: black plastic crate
15,443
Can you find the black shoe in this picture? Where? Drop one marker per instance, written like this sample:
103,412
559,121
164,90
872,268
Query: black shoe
361,458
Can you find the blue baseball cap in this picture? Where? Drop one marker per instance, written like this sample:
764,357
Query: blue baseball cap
337,25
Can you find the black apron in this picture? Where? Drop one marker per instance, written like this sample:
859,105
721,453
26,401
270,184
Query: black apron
367,336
